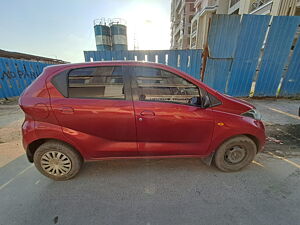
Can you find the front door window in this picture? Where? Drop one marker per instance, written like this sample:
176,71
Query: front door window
163,86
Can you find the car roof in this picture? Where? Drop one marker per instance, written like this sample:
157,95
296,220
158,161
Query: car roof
54,69
102,63
61,67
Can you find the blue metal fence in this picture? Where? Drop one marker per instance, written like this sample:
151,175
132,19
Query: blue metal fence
217,68
223,34
247,52
16,75
291,83
276,54
259,57
188,61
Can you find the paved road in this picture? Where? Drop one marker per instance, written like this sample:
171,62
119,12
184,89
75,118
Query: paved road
150,192
166,191
280,111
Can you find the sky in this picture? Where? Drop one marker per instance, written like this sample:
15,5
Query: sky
63,29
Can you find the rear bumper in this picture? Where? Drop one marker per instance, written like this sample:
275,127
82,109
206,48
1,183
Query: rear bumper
28,135
29,156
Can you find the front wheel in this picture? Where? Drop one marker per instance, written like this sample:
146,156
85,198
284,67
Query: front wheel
235,153
57,160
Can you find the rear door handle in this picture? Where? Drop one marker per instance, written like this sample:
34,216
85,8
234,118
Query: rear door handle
66,110
147,113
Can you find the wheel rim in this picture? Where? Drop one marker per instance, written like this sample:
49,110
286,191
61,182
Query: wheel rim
56,163
235,154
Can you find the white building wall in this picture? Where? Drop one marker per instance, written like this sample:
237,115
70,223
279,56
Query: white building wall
182,12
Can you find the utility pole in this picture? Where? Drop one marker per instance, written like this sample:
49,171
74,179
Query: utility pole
135,43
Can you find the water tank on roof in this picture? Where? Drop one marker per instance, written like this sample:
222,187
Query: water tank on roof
118,36
102,36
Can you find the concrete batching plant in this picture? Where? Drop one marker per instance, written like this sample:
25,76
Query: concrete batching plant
110,34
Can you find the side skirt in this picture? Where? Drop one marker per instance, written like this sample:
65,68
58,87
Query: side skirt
151,157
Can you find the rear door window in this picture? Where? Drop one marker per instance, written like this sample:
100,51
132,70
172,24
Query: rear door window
96,82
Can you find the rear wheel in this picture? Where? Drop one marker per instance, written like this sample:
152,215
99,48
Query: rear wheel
235,153
57,160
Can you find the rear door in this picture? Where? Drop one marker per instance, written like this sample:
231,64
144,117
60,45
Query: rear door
97,112
166,123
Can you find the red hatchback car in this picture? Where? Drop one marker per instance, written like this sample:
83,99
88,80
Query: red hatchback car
123,109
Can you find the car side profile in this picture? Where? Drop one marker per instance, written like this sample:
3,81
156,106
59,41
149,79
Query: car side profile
128,109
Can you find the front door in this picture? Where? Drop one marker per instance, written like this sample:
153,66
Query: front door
166,123
98,111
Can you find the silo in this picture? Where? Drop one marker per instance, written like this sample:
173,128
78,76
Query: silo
102,36
118,36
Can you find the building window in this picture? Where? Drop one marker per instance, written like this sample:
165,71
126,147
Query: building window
258,3
297,13
235,12
194,26
192,9
233,2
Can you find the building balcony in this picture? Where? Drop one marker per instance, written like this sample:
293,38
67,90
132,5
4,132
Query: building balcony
205,4
178,4
176,19
258,4
233,2
204,10
194,33
178,28
197,3
175,46
193,46
193,43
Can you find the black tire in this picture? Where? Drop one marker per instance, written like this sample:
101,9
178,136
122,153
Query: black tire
68,160
235,154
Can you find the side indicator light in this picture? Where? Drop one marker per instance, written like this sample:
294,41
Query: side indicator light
220,124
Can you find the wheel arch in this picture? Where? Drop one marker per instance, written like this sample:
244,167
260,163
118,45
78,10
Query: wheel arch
33,146
255,140
251,136
208,159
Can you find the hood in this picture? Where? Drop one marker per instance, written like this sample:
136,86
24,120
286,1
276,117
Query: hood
233,105
241,101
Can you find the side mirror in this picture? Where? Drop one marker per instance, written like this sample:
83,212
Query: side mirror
195,101
205,102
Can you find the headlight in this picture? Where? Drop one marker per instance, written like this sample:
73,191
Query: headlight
252,113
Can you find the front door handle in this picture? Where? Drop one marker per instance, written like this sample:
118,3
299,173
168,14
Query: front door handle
66,110
147,113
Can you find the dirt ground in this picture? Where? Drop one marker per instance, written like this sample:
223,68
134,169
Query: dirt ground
284,140
11,119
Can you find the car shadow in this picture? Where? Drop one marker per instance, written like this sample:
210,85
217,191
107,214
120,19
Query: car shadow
138,166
